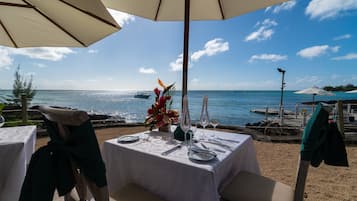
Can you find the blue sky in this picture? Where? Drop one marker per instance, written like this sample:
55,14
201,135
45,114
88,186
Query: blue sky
314,41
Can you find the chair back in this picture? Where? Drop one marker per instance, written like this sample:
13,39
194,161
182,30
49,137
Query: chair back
313,136
303,168
66,119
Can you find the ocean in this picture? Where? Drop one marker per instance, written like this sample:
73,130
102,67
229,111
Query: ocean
229,107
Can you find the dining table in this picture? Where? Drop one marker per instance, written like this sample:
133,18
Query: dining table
165,166
16,147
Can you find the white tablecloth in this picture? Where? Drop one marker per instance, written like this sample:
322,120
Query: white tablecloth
16,147
174,177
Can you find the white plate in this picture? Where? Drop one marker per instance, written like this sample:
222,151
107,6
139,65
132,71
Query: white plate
201,155
128,138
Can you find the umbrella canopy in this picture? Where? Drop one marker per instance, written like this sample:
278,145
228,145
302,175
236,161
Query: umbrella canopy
314,91
351,92
176,10
54,23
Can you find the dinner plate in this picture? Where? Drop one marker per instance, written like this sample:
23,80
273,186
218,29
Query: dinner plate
201,155
128,138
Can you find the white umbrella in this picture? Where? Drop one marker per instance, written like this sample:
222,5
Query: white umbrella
315,91
66,23
351,92
178,10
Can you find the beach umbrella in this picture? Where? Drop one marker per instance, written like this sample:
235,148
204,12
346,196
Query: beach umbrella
351,92
186,10
54,23
314,91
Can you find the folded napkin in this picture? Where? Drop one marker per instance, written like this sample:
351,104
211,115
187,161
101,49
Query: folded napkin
179,134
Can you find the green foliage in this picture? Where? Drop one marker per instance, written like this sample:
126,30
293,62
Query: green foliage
1,107
20,123
22,86
348,87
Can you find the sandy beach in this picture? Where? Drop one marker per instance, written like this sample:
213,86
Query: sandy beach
279,161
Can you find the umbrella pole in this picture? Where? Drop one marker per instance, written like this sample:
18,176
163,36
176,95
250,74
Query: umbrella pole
185,49
313,102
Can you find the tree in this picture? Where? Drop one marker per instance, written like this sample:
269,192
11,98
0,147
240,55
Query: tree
22,86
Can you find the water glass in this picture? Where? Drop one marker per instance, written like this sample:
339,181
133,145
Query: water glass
214,123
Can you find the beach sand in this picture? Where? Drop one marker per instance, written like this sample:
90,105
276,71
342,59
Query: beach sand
279,162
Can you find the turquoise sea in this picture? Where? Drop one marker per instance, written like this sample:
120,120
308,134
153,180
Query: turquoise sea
229,107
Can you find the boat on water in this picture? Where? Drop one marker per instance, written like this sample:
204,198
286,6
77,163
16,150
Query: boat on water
142,95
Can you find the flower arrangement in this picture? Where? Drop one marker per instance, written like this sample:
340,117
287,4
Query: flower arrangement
160,114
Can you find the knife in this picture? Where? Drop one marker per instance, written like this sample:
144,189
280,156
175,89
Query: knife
214,149
219,144
165,153
228,140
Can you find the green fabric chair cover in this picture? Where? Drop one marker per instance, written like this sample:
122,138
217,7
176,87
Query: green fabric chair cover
319,138
50,167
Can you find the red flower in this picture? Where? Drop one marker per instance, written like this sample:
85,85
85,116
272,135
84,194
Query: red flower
160,113
159,117
162,101
150,111
157,91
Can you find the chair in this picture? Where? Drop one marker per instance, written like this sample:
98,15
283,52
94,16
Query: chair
251,187
65,119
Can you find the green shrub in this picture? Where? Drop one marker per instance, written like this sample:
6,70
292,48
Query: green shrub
1,107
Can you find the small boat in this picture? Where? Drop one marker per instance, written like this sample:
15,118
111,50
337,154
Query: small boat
142,95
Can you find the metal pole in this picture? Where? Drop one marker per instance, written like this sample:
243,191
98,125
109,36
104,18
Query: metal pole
281,110
282,89
185,49
313,102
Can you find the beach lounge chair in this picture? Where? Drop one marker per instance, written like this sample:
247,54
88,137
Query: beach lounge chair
321,141
75,161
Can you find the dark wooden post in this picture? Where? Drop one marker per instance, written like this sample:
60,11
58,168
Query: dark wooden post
341,125
24,108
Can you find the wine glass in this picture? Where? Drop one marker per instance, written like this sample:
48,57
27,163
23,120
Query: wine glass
204,119
185,122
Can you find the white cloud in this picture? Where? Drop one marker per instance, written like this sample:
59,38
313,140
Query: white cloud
195,80
44,53
324,9
310,80
349,56
30,74
268,57
316,51
342,37
5,59
177,65
264,32
40,65
284,6
211,48
335,76
121,18
269,23
93,51
147,70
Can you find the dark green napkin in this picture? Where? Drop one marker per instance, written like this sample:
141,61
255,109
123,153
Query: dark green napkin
179,134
